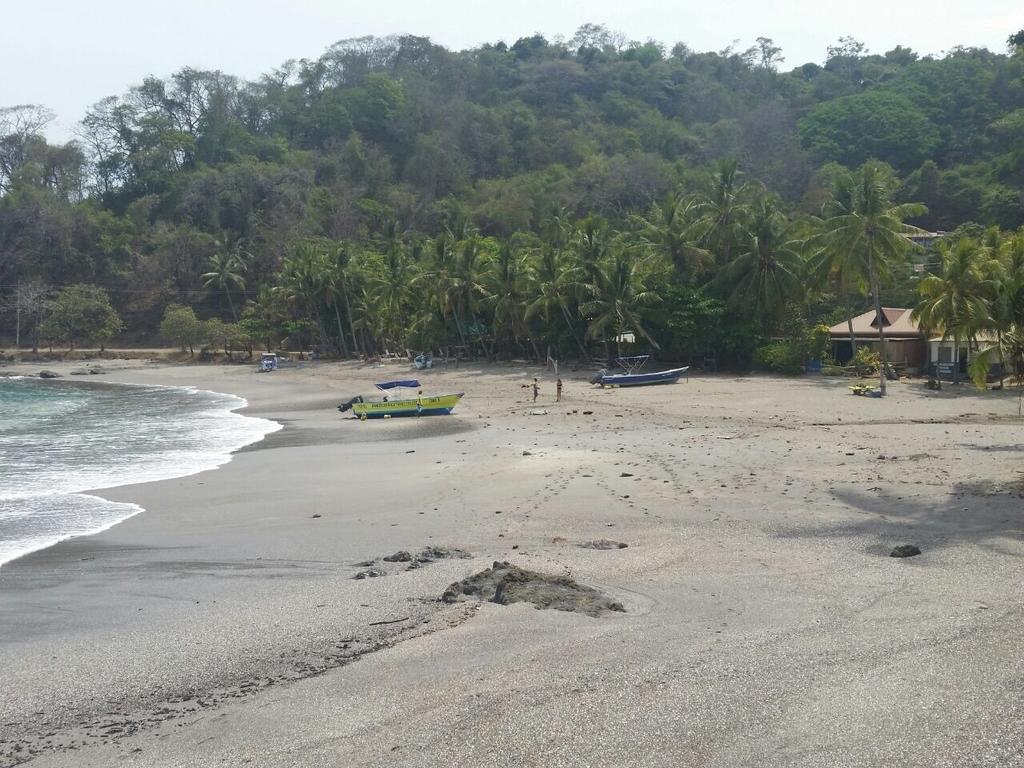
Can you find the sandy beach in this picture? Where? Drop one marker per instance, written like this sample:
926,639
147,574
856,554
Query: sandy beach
764,622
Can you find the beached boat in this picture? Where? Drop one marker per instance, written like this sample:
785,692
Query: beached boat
632,377
389,406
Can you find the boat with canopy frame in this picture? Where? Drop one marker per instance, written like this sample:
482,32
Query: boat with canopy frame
632,376
388,405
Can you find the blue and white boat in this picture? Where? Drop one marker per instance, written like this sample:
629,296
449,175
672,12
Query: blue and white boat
633,377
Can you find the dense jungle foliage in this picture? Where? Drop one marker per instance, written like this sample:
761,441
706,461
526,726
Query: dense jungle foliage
510,199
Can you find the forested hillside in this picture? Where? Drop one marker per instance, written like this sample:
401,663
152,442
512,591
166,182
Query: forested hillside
392,193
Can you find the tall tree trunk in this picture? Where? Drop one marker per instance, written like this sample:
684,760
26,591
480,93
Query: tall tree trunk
343,347
231,304
351,322
853,341
875,289
458,325
488,348
320,324
572,330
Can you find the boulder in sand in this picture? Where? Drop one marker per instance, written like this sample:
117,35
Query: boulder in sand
432,553
603,544
905,550
49,375
370,573
504,584
401,556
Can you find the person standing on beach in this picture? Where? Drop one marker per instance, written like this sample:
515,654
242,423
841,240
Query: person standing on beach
558,391
536,389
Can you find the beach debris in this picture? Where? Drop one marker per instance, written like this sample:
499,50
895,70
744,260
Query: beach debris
387,621
49,375
432,553
538,412
365,563
425,556
626,474
370,573
588,413
905,550
504,584
316,515
527,453
603,544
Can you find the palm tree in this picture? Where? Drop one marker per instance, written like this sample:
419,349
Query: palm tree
340,280
956,301
307,278
670,231
873,234
830,264
591,242
619,297
467,281
505,284
1009,349
227,272
391,289
370,317
722,211
556,285
767,269
437,283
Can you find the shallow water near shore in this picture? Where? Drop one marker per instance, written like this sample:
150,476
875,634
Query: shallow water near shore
59,439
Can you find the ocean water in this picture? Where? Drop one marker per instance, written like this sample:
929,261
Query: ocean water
60,438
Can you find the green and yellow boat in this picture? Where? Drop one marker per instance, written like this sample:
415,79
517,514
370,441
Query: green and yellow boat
393,407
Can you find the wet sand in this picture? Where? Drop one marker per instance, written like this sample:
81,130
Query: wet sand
764,623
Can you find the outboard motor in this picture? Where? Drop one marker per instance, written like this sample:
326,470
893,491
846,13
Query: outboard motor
600,375
347,405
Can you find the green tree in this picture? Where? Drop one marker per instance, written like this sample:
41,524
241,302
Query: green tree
1008,353
955,302
619,298
306,276
874,234
768,268
555,288
874,125
670,231
505,286
181,326
83,313
227,273
723,210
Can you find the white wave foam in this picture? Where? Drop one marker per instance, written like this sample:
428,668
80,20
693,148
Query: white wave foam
45,502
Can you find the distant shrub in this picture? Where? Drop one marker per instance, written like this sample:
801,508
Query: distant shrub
790,356
781,357
866,361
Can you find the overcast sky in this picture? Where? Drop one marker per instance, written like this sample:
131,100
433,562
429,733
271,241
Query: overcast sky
68,54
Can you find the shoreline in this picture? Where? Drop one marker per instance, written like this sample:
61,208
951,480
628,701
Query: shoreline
223,625
165,470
